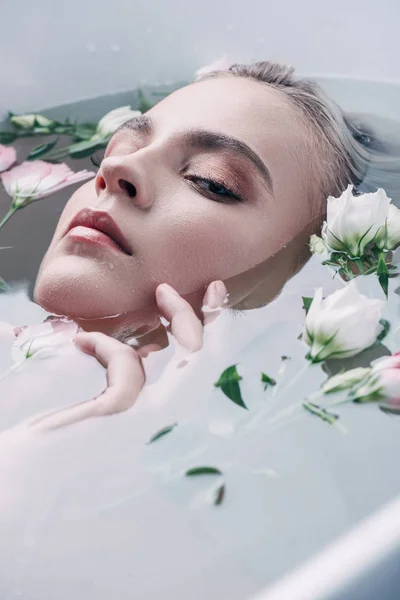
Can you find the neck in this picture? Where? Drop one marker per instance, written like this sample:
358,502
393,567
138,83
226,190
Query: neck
123,326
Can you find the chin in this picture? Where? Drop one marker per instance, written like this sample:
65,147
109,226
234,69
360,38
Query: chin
70,298
80,294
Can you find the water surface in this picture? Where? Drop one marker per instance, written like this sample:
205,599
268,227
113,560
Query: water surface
93,512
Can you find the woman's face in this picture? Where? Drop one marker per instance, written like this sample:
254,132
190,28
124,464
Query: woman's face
209,183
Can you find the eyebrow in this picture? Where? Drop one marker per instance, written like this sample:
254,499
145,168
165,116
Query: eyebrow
208,140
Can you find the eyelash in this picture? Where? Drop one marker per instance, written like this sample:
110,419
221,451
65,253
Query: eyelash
229,195
97,158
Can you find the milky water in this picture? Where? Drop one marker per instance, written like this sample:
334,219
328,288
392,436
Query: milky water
94,512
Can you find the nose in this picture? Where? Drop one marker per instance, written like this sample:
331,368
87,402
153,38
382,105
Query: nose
118,176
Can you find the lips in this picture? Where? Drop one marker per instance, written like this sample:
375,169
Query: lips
103,222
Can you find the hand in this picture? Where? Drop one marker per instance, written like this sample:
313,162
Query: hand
125,373
185,326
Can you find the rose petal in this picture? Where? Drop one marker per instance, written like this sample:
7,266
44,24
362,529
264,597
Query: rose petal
8,156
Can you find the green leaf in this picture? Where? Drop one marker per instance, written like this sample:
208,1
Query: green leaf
84,149
143,105
64,129
383,273
84,131
229,384
202,471
28,352
42,149
219,495
306,303
3,286
322,413
337,256
7,137
162,432
267,380
386,327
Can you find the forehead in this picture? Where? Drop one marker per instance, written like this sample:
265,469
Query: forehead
252,111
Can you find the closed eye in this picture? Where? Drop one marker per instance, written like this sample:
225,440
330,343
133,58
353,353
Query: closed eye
210,187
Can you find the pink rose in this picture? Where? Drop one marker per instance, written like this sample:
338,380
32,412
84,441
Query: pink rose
34,180
42,340
8,156
382,382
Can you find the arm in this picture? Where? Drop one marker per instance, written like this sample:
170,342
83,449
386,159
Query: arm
125,373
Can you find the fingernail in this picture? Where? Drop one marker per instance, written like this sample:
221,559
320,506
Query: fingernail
215,295
169,289
221,289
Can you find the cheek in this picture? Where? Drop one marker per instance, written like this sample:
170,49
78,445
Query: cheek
216,242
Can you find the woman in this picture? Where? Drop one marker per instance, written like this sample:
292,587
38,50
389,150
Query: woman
206,187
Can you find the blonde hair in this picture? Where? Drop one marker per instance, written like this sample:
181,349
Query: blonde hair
347,150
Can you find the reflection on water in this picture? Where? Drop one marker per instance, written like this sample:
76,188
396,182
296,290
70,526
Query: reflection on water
94,511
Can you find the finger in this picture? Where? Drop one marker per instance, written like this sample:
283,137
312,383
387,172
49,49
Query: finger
144,351
125,374
185,326
103,347
125,379
100,345
215,300
156,336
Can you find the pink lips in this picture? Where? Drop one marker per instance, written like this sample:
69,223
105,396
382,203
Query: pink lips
98,227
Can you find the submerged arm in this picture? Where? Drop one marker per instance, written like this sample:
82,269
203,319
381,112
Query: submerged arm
125,373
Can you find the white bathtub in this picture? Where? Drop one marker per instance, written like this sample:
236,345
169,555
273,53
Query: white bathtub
58,52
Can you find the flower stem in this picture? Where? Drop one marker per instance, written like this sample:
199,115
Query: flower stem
8,216
12,369
337,402
296,377
56,154
360,266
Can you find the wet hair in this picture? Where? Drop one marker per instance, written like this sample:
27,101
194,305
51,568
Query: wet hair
348,151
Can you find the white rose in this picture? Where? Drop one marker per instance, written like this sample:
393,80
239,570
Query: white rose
114,119
342,324
388,237
353,221
318,246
